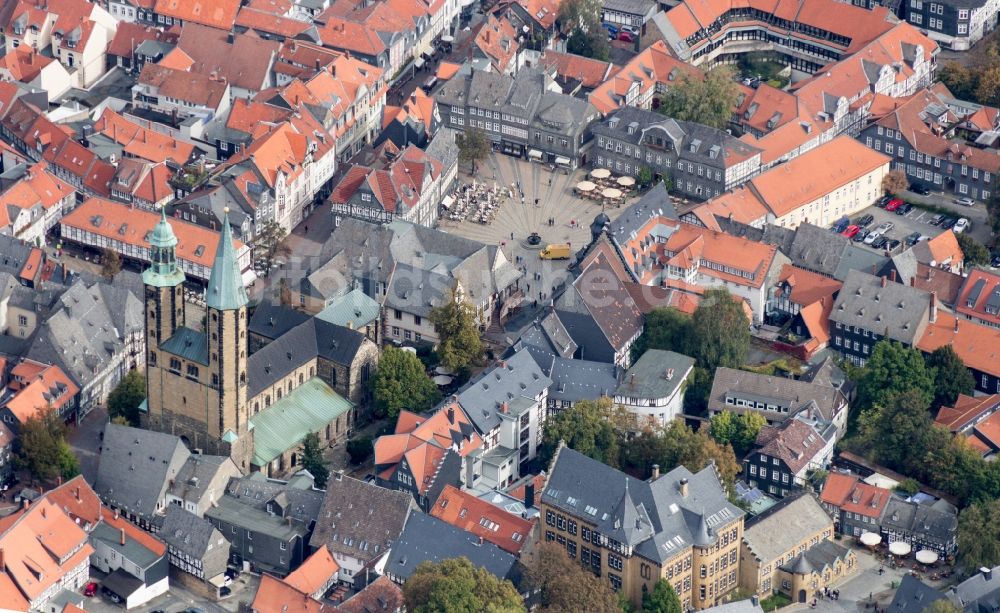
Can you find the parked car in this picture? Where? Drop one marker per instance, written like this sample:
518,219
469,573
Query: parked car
865,220
851,231
610,27
912,239
920,188
884,200
948,222
965,201
891,244
905,209
90,589
894,204
634,30
872,237
625,36
936,219
880,242
961,225
860,236
841,224
995,260
885,226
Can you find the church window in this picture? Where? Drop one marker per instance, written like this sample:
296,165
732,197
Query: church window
175,365
152,359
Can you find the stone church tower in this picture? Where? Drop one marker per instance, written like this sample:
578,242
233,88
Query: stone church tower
196,379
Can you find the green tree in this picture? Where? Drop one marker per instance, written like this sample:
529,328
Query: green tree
661,599
124,400
359,449
111,263
942,605
974,252
993,207
579,13
739,430
951,377
988,86
979,536
895,182
402,383
667,329
473,146
455,322
588,427
896,431
720,333
645,176
267,246
697,389
42,447
592,43
891,370
678,445
565,586
456,586
709,100
312,459
959,79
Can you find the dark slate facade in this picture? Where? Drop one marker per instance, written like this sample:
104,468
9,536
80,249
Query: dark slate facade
700,161
954,24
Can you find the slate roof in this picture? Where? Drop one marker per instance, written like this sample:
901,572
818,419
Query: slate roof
785,525
816,558
648,377
798,396
355,310
308,340
654,203
197,474
913,596
654,518
575,380
518,378
225,285
133,550
979,593
190,534
246,498
795,442
360,519
427,538
872,303
911,517
310,407
271,320
546,339
136,467
598,298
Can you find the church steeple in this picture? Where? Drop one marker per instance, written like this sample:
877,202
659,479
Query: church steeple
163,270
225,286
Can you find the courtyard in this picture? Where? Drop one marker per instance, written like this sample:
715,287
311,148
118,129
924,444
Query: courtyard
513,221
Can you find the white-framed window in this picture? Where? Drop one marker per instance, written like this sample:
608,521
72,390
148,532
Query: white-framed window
963,188
963,13
963,29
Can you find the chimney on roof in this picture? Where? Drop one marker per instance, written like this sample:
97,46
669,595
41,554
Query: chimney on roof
76,493
893,273
451,415
684,488
58,480
121,537
3,566
934,307
883,281
956,325
25,503
656,473
504,407
529,495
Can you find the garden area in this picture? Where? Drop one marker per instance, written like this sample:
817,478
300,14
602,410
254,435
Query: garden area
766,67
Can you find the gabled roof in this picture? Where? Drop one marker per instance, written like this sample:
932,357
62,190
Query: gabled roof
219,14
941,251
380,594
784,526
463,510
276,596
795,442
850,494
653,66
141,142
898,312
78,500
315,572
967,411
191,87
980,296
428,539
978,346
49,388
136,467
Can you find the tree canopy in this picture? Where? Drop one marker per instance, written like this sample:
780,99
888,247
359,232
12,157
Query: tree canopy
974,252
894,182
891,370
661,599
951,377
708,101
401,383
124,400
455,322
473,146
111,263
979,536
312,459
565,585
42,447
739,430
456,586
720,333
678,445
667,329
587,427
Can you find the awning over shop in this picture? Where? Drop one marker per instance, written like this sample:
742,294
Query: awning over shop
562,161
419,62
534,154
447,201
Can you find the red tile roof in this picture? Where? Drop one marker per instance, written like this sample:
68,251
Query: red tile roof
655,65
48,388
380,595
276,596
989,284
978,346
967,411
78,500
197,89
317,572
141,142
215,13
465,511
589,72
850,494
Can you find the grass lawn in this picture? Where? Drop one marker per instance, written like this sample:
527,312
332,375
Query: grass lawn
776,601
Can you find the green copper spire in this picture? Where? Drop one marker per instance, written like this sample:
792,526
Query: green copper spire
163,270
225,287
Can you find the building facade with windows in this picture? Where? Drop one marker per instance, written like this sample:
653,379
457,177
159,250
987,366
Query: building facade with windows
856,506
919,137
678,527
785,455
701,162
954,24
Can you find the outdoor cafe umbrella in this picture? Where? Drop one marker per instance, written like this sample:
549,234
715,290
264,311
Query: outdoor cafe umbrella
926,556
612,193
870,539
585,186
600,173
899,548
443,380
626,181
444,370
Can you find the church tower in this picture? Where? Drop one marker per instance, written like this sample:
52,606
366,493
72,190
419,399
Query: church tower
196,381
226,328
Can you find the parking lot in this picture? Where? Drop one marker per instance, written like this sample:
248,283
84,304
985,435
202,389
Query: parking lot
917,220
